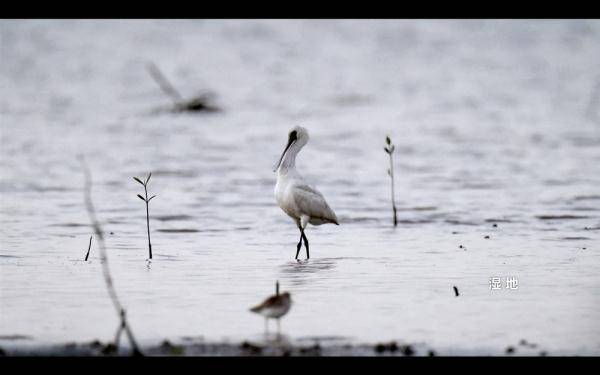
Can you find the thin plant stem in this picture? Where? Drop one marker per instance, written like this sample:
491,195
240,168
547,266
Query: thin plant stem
389,149
148,221
88,251
146,201
393,194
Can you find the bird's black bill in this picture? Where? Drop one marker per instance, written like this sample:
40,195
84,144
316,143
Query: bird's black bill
291,141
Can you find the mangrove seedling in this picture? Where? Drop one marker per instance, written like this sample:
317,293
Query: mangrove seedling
389,149
147,201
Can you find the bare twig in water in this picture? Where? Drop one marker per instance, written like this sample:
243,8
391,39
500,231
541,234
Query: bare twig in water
124,326
147,201
164,84
89,247
389,149
199,103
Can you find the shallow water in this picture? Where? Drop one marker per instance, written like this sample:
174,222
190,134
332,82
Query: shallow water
496,134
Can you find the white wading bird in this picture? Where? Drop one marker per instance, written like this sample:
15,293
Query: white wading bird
296,198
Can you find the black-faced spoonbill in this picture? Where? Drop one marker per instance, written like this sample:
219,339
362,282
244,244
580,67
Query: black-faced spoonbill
296,198
275,307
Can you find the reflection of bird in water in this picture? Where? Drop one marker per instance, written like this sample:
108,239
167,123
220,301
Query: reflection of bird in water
275,306
296,198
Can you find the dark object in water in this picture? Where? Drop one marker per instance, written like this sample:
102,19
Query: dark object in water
89,247
183,230
391,347
431,353
487,237
314,350
95,344
407,350
199,103
524,342
147,201
495,225
456,294
196,104
171,349
560,217
109,349
166,344
510,350
252,348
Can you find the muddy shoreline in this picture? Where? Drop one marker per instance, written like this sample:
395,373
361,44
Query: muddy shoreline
271,347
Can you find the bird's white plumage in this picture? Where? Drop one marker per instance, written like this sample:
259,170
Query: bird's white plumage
297,199
293,194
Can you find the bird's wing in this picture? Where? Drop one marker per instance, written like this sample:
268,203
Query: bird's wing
312,203
269,302
263,304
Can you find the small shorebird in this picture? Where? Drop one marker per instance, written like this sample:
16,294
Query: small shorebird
296,198
275,306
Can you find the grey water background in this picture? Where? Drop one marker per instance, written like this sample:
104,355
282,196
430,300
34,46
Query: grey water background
495,122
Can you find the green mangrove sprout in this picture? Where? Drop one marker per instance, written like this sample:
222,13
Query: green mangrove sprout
147,201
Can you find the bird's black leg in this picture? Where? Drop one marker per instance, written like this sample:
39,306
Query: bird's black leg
305,242
299,245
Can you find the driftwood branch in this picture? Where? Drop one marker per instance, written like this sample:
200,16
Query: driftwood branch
198,103
104,260
164,84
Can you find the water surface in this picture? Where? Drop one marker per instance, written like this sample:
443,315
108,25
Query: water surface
494,137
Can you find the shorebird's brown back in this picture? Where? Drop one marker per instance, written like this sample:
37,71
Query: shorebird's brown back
273,301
